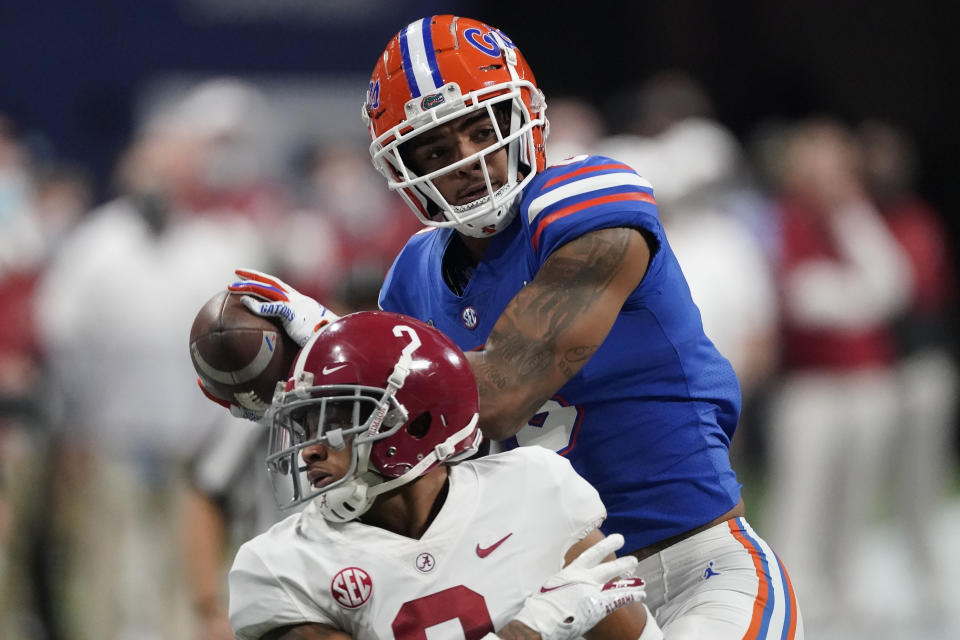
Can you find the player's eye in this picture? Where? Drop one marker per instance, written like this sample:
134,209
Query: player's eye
333,424
484,134
431,154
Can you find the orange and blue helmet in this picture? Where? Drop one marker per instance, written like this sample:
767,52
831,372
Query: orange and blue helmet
436,70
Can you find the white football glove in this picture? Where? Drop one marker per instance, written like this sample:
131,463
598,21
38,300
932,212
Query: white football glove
301,315
583,593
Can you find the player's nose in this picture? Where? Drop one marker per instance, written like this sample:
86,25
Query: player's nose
314,453
465,149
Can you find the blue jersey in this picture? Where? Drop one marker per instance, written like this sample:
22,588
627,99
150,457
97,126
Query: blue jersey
648,420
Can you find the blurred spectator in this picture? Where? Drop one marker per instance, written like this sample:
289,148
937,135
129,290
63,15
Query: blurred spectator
39,205
220,152
927,380
654,111
576,127
20,261
842,279
662,100
114,311
347,220
14,182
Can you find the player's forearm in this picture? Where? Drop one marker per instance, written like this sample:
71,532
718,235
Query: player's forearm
513,384
514,630
553,326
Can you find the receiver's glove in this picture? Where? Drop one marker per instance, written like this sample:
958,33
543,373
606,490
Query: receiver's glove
271,297
583,593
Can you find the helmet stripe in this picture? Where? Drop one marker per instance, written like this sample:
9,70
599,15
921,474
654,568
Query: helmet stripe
407,64
419,60
431,54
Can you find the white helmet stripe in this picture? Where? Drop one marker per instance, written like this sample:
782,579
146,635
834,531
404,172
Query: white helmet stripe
419,58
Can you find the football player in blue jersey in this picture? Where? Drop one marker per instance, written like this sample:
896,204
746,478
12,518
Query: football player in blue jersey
562,288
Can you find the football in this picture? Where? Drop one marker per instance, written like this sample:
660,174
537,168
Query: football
239,355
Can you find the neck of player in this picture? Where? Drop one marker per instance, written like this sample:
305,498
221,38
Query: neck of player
474,246
409,510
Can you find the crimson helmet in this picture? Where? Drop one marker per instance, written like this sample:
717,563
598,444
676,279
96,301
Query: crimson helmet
396,391
436,70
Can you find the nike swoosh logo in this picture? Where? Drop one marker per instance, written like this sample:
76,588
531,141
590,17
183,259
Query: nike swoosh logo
559,586
328,370
484,552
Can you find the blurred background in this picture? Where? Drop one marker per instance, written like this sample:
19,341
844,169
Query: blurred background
802,155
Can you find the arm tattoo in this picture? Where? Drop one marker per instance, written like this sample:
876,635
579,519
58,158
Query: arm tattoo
578,354
566,286
575,355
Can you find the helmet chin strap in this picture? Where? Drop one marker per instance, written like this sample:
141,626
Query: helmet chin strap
355,497
476,230
348,501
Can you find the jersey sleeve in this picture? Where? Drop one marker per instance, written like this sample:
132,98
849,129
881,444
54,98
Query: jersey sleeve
576,502
591,193
401,292
390,298
261,600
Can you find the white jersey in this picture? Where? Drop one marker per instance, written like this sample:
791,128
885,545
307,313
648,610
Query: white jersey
505,527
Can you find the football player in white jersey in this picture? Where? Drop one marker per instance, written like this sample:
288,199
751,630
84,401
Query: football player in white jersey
401,541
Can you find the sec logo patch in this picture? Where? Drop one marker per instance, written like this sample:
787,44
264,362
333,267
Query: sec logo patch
351,587
469,318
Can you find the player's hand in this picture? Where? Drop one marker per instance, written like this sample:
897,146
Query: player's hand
301,315
583,593
235,410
